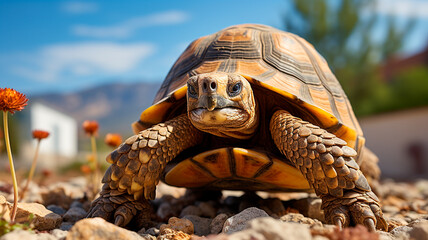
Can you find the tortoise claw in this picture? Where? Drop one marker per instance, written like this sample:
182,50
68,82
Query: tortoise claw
117,209
119,220
123,216
338,222
370,224
381,222
365,212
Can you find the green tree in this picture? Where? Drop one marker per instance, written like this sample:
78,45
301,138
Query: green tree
342,31
408,89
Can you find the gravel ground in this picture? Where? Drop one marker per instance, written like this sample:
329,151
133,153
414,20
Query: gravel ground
181,214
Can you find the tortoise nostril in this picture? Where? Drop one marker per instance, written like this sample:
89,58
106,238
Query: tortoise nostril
209,86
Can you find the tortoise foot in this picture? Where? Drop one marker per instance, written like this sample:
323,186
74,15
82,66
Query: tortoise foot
120,210
356,208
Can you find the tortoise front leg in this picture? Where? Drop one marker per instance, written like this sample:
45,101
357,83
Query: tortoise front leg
329,166
136,167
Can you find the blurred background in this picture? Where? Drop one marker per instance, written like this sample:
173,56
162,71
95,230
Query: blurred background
104,61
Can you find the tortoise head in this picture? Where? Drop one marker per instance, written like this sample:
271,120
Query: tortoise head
222,104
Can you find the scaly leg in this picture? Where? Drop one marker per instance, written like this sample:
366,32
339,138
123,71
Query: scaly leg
130,182
329,166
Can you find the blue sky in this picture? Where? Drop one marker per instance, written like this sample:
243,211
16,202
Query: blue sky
61,46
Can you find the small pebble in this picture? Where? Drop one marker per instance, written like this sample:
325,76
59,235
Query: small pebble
201,225
217,223
66,226
76,204
74,214
191,210
56,209
152,231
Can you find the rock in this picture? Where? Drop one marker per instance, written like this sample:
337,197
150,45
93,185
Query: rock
269,228
32,194
174,235
314,209
325,230
401,232
19,234
249,200
299,218
217,223
207,209
167,210
59,234
27,235
395,222
418,221
310,207
64,193
319,238
43,219
66,226
226,210
76,204
98,229
177,224
5,208
201,225
232,201
56,209
74,214
385,235
148,237
191,210
390,209
239,221
422,186
275,206
152,231
419,230
249,234
352,233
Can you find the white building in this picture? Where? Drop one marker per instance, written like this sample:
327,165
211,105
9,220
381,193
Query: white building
61,145
400,139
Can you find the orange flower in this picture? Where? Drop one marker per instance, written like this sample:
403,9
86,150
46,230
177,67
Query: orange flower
113,139
46,172
12,100
85,169
90,127
90,158
40,134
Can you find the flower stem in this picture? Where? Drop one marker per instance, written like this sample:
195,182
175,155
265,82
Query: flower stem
12,168
33,168
94,153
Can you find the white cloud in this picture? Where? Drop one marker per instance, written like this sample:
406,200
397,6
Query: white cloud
402,8
128,27
79,7
82,59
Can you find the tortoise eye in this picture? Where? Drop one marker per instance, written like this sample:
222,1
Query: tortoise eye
191,90
235,89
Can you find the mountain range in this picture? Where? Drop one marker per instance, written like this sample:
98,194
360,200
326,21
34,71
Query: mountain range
115,106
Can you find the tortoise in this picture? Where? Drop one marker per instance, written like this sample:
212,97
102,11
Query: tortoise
250,107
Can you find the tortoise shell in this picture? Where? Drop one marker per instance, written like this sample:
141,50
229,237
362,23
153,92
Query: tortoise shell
280,62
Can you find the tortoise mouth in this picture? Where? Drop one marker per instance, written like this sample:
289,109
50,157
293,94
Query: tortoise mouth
203,118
